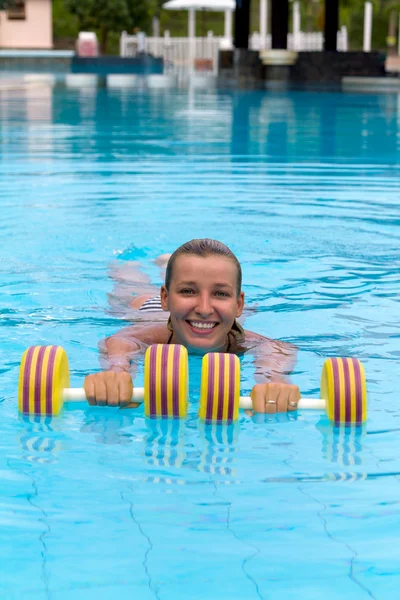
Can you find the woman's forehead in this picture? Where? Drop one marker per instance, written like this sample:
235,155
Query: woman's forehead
218,266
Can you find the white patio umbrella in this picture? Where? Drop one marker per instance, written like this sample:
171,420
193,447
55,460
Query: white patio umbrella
215,5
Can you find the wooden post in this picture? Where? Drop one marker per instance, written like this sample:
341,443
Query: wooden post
242,23
279,24
331,25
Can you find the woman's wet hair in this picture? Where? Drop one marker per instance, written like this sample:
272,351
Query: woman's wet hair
203,248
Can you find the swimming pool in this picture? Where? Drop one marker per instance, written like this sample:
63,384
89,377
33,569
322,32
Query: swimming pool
305,188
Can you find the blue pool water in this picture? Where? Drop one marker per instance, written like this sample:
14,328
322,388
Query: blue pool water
305,188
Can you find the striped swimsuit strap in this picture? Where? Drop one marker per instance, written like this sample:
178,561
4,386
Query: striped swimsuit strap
151,305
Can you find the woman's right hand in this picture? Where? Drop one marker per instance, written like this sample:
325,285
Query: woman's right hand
110,388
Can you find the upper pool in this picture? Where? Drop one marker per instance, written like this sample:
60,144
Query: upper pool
305,188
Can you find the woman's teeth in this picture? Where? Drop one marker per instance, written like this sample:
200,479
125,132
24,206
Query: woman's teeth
199,325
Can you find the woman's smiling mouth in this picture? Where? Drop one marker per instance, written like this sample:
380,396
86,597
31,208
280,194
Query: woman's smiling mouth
202,327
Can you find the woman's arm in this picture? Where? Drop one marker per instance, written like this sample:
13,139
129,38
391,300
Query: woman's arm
113,386
117,353
131,285
273,361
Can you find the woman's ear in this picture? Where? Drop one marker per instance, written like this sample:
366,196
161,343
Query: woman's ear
240,304
164,298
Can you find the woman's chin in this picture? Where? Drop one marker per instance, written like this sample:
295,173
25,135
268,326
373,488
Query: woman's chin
204,345
201,343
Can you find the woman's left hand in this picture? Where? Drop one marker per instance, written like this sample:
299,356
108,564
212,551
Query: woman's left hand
274,398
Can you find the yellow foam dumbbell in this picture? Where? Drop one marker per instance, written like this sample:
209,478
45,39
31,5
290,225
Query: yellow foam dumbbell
343,390
44,381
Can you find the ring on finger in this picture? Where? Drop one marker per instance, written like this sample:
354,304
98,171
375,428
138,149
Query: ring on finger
270,402
294,404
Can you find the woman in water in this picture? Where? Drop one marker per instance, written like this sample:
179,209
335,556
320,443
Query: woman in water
203,297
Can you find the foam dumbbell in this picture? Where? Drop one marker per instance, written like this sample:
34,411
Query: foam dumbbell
343,390
44,381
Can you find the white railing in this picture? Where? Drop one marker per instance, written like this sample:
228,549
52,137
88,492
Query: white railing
301,41
183,51
176,51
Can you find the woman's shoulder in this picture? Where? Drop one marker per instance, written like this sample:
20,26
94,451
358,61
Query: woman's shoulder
146,333
254,340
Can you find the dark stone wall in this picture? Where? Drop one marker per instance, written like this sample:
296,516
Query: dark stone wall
332,66
240,68
244,69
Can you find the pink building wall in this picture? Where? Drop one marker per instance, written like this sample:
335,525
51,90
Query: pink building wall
36,31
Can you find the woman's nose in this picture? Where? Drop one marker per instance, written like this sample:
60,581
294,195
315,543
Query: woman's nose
204,306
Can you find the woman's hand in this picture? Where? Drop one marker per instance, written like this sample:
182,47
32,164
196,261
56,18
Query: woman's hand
274,398
110,388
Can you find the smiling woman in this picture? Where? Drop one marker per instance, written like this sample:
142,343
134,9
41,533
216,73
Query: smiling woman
202,293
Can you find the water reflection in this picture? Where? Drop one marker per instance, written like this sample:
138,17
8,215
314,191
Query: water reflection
109,426
165,442
219,447
342,445
190,446
140,121
40,439
262,419
174,451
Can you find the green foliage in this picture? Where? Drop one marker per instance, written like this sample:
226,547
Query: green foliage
110,17
176,22
141,13
109,14
65,25
352,15
105,17
388,6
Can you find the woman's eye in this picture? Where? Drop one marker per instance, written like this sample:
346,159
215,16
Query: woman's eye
222,294
186,291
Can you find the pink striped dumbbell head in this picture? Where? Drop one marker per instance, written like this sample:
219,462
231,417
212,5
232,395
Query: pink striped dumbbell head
44,373
220,388
166,381
344,389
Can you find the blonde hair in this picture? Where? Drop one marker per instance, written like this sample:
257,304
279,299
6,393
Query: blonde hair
203,248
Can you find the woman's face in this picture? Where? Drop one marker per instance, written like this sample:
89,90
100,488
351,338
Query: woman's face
202,301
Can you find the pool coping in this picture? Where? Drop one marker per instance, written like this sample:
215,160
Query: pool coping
37,53
13,81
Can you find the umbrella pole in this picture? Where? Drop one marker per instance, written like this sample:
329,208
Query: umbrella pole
192,37
203,24
228,27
